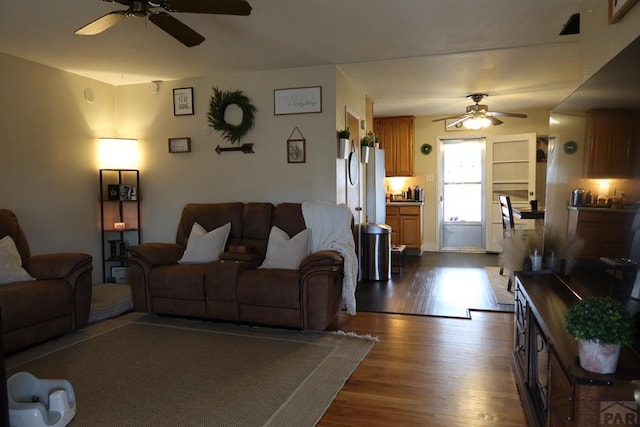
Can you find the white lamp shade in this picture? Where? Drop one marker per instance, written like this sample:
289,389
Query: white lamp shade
118,153
476,123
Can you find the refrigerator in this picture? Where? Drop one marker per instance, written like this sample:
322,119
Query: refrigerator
375,189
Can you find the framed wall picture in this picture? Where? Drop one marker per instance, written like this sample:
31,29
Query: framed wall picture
296,151
619,8
457,126
300,100
120,274
180,145
183,101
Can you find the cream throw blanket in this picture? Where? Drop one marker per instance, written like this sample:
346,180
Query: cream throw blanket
330,226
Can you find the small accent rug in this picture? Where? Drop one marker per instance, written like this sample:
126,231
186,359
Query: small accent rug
145,370
499,285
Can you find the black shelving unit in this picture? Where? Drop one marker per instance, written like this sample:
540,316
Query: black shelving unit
119,220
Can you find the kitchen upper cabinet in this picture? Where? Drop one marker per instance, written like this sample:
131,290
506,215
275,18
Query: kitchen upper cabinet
397,139
613,144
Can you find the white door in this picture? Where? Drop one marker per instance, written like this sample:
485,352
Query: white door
511,170
462,217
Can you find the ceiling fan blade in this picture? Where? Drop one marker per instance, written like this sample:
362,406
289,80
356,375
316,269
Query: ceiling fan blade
494,121
124,2
445,118
176,29
102,24
217,7
460,120
498,113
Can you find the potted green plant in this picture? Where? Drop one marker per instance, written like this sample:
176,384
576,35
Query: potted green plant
344,145
600,325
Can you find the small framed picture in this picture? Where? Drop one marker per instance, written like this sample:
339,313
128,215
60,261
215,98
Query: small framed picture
619,8
113,192
457,126
127,192
120,274
180,145
296,151
183,101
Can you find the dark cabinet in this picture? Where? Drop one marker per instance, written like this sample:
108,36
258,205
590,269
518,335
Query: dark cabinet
613,144
605,232
119,220
555,390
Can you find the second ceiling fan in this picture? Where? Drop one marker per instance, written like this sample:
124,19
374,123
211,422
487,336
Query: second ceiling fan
478,115
163,20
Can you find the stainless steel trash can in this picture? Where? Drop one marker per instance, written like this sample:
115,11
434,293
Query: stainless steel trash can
375,255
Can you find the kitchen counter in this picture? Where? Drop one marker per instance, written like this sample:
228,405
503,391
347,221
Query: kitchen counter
405,203
602,209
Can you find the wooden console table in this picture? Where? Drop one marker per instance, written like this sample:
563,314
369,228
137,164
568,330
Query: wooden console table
555,390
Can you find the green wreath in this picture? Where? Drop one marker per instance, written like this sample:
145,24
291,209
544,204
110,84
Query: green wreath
217,106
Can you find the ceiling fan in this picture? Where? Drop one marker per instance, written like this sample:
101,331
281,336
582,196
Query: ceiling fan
478,116
163,20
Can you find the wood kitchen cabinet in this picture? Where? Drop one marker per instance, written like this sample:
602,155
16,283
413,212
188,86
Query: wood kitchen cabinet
613,145
406,225
397,139
554,389
606,232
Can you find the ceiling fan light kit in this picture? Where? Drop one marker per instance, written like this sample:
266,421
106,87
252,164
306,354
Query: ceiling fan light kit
478,115
172,26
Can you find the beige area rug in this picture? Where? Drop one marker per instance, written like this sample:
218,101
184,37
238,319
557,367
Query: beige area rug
144,370
499,285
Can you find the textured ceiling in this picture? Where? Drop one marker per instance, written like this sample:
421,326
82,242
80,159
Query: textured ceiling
410,56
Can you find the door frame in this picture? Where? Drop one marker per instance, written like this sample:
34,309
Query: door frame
440,185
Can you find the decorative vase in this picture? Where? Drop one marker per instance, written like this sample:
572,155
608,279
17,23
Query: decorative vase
365,153
601,359
343,148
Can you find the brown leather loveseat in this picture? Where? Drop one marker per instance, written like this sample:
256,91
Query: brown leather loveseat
233,288
56,302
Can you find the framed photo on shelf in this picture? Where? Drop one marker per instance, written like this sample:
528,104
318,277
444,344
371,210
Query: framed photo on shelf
619,8
296,151
180,145
120,274
299,100
183,101
113,192
128,192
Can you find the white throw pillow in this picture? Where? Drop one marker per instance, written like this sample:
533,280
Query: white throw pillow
284,252
205,247
11,270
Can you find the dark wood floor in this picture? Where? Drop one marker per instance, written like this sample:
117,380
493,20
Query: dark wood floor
435,284
429,370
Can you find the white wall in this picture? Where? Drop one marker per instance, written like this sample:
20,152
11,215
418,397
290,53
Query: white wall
48,154
49,165
601,41
169,181
564,169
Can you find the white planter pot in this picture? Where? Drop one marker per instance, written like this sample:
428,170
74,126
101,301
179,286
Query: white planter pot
344,148
365,154
601,359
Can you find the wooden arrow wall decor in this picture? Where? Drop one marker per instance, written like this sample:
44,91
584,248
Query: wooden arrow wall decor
245,148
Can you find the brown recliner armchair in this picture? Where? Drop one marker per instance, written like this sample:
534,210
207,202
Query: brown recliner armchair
56,302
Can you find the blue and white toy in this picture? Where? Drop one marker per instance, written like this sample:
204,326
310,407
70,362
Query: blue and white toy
39,403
